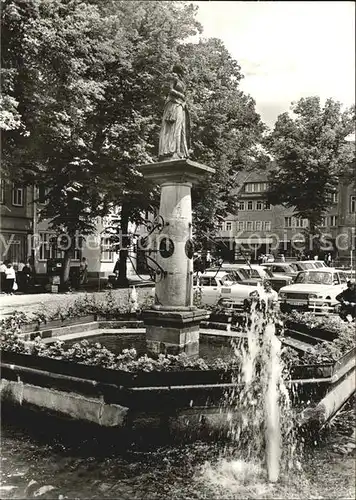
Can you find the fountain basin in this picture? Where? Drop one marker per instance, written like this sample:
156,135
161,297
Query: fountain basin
186,401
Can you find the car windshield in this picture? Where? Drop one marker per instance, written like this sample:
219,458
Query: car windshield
318,264
316,277
292,267
302,266
243,273
252,273
268,272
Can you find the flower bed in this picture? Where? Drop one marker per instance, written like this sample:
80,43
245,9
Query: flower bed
82,310
97,355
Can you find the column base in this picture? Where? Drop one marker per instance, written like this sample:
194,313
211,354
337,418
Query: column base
173,332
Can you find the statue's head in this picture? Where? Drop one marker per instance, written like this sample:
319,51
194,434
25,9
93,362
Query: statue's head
179,69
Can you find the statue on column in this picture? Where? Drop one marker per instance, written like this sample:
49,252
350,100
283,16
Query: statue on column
174,138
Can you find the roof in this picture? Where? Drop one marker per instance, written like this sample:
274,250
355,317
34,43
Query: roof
215,273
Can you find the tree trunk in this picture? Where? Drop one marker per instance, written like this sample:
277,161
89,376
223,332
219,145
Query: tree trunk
68,254
122,280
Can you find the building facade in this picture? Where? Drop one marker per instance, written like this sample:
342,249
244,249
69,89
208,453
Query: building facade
259,228
24,236
17,213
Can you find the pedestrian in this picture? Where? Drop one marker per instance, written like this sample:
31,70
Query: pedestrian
10,279
27,274
117,268
271,295
329,260
83,271
20,275
283,258
2,276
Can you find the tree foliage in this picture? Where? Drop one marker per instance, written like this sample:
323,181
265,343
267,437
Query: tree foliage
83,98
311,154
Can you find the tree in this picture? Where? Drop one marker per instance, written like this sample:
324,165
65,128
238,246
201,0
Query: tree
87,79
310,155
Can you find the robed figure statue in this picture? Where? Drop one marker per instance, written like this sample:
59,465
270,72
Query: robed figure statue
174,137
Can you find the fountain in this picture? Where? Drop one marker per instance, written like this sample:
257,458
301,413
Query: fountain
172,324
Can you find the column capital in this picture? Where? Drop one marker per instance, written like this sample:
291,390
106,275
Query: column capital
178,171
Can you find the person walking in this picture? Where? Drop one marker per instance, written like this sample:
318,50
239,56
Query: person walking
10,278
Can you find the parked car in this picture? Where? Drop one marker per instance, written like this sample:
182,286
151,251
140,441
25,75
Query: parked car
258,274
239,274
281,269
314,290
216,285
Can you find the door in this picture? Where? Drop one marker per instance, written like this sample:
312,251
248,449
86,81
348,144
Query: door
210,290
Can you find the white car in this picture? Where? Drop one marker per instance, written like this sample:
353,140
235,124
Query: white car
213,286
313,290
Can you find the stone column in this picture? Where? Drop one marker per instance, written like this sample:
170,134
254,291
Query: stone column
172,325
175,289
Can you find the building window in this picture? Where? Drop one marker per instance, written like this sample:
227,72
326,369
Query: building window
250,205
241,225
334,197
298,222
258,225
228,226
267,225
305,222
255,187
47,246
17,196
241,205
353,203
287,221
267,206
219,226
107,252
333,220
323,222
259,205
2,192
42,191
249,226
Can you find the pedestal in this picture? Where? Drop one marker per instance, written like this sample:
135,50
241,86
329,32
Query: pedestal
173,332
173,323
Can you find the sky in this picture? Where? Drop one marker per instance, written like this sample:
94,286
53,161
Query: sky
287,50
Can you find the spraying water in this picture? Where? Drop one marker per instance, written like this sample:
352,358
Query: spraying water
261,418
